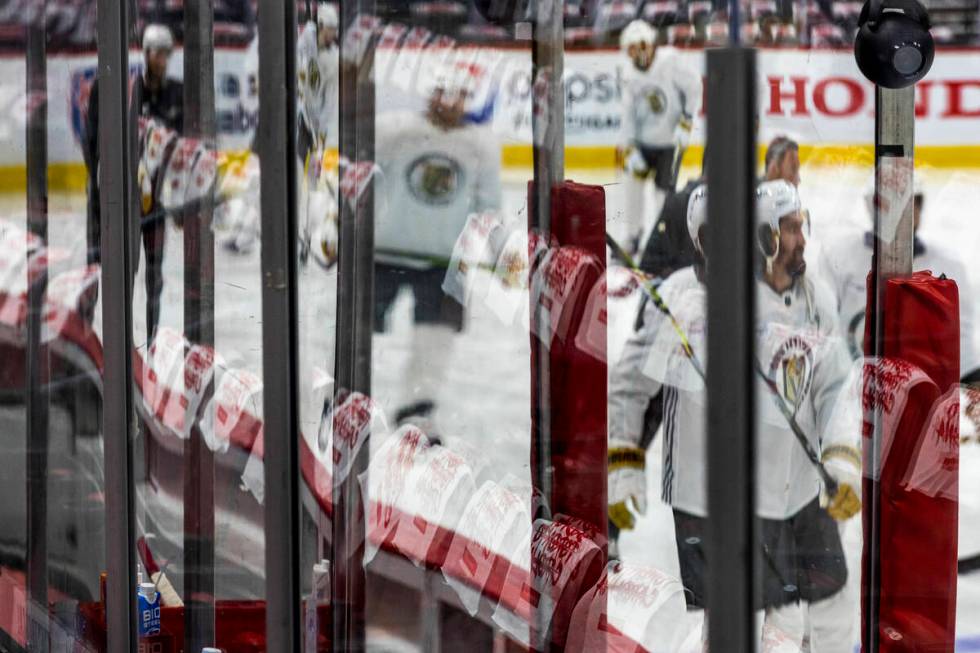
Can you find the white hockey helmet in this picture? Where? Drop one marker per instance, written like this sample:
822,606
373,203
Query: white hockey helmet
774,200
637,32
326,15
697,214
157,37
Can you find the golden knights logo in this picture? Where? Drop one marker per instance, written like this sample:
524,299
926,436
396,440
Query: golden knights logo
313,73
792,370
434,179
657,100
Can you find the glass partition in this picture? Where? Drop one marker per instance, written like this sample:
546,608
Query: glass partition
442,325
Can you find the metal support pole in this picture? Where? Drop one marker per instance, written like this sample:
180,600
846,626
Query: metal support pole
733,551
355,316
199,122
280,343
894,162
117,167
894,233
37,354
548,132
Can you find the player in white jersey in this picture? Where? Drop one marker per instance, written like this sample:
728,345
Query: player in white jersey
845,264
317,71
437,167
318,88
798,348
238,217
661,99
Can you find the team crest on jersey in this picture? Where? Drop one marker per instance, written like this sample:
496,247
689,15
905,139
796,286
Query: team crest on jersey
657,100
434,179
792,369
313,73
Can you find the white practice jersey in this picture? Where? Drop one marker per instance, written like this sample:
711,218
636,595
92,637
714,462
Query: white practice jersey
845,264
317,83
797,347
655,100
431,180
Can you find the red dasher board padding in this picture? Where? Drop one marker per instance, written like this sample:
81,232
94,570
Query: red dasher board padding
568,274
916,386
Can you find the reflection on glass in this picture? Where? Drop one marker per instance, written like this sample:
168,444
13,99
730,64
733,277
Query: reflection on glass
473,304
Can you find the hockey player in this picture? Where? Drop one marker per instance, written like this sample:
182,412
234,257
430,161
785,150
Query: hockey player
317,65
797,347
161,98
436,167
661,99
782,160
845,264
317,61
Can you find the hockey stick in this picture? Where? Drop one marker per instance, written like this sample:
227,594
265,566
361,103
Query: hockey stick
658,301
828,480
675,166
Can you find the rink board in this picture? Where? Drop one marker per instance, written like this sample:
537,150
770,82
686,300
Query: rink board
816,96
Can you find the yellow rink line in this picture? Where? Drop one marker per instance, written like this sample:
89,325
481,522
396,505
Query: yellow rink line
829,155
62,177
71,177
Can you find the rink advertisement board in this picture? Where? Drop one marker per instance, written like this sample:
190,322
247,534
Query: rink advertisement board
815,96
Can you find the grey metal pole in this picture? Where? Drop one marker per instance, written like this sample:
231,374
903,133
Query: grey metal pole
894,160
894,234
280,343
733,551
117,166
548,133
199,122
37,354
355,316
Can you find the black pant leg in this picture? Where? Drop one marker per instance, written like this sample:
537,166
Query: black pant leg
93,225
154,234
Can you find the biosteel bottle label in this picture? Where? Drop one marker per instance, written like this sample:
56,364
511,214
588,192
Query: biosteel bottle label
148,610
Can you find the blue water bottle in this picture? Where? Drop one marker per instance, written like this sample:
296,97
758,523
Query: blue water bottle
148,610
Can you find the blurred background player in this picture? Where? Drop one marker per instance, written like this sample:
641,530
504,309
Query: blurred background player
661,99
160,98
845,263
803,559
669,247
317,61
318,85
782,160
437,166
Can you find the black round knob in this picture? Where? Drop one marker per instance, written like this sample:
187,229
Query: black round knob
893,47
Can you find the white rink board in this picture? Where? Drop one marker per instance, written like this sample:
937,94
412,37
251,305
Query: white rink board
816,96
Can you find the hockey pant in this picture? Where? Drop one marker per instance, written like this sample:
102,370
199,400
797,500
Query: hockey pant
824,626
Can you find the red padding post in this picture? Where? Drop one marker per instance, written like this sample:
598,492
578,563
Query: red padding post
915,390
573,269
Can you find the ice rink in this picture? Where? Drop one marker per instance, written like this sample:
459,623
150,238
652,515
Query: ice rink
485,399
